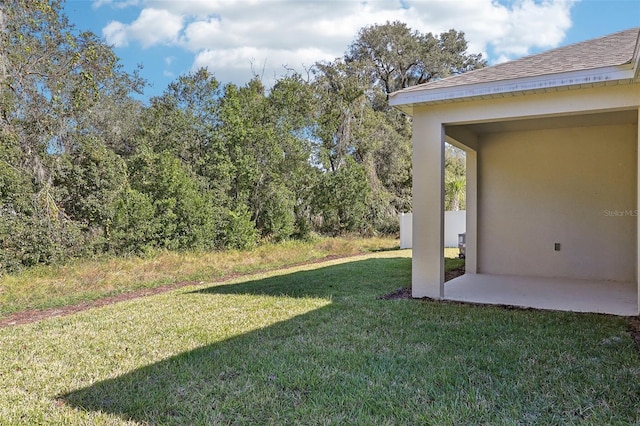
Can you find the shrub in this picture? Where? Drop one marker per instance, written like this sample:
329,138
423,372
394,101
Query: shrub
240,230
30,239
164,209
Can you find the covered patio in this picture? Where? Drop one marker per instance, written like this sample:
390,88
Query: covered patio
562,294
551,146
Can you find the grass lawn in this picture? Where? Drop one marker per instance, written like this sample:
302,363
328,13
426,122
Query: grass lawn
315,345
87,280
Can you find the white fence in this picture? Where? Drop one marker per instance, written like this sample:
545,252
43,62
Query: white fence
454,223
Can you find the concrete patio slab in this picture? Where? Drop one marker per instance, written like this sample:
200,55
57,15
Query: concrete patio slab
608,297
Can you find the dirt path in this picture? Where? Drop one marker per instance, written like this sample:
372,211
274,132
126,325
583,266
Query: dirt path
26,317
33,315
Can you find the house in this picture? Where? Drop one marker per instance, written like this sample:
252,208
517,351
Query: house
551,144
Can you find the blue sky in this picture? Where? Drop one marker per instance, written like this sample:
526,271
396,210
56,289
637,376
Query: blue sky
236,39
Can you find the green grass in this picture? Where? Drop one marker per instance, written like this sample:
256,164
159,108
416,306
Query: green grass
315,345
87,280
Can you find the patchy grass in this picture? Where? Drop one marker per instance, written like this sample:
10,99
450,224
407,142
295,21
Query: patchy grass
55,286
453,263
315,345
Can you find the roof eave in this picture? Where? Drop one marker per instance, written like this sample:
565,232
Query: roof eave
405,100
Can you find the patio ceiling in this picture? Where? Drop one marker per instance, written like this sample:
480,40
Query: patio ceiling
555,122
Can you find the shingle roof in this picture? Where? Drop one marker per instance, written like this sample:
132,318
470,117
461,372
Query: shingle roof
612,50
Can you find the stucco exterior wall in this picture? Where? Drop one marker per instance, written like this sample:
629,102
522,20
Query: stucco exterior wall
575,187
465,123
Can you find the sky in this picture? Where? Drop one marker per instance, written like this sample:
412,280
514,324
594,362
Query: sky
237,39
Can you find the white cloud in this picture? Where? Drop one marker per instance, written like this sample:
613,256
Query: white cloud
156,26
116,4
531,25
152,27
99,3
509,30
241,64
501,59
228,36
116,34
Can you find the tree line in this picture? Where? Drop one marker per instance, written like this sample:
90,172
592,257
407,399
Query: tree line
86,169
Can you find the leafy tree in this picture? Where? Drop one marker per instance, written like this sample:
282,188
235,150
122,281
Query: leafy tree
16,189
265,136
32,228
163,207
53,79
455,178
85,168
184,122
392,160
355,120
40,236
246,147
134,227
240,230
349,127
396,57
89,179
340,94
341,200
183,214
290,103
454,194
114,121
199,125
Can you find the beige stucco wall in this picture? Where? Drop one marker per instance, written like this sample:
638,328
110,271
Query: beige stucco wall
461,119
575,186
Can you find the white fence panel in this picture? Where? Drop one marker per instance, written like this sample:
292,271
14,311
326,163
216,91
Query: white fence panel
406,230
455,222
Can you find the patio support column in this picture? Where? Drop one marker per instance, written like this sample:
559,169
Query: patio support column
428,208
471,256
638,210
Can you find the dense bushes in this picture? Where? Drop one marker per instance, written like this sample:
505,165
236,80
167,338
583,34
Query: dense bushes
85,169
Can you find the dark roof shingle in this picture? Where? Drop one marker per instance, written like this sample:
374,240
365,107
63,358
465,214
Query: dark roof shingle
612,50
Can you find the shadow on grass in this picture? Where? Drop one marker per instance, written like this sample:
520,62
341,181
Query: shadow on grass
361,360
364,278
274,374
